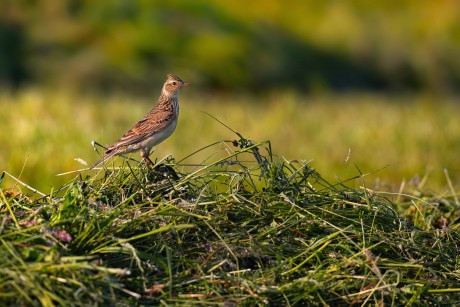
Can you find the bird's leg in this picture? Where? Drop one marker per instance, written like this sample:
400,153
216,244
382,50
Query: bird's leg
149,162
145,157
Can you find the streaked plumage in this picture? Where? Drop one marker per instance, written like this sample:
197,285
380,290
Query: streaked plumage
155,127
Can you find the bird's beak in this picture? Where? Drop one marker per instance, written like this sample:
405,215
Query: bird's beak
186,84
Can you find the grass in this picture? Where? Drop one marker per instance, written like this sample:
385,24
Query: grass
240,227
404,138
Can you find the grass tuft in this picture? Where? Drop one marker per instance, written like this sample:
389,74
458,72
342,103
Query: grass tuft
242,227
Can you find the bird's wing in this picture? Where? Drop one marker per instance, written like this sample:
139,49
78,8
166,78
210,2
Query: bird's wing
150,124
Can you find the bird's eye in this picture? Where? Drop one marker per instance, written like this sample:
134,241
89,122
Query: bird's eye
174,83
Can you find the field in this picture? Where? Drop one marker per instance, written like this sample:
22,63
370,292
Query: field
242,229
399,139
292,217
316,159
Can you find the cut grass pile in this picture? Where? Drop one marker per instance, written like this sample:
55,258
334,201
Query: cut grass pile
243,227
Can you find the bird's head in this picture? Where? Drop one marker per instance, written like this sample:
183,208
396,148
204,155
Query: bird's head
173,85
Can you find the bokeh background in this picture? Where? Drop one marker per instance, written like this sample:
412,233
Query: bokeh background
348,84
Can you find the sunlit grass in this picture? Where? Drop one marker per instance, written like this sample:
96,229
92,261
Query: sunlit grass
44,131
242,229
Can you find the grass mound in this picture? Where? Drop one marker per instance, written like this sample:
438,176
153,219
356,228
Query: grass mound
244,229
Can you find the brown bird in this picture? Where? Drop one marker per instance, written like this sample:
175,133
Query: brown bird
154,128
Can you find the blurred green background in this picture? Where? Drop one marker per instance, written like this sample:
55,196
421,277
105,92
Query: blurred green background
371,83
260,45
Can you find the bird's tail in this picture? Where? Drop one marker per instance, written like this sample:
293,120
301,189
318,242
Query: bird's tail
104,158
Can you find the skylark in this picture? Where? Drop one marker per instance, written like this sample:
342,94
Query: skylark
154,128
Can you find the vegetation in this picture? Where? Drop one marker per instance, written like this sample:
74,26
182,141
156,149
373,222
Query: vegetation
399,139
306,45
360,206
242,227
